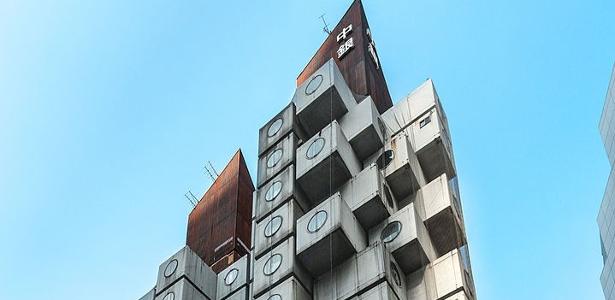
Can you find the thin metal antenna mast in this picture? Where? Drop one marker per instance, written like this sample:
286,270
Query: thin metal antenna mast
209,173
190,196
213,169
326,26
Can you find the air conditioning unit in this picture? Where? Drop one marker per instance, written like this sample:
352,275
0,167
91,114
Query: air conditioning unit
401,167
234,277
328,235
323,97
443,217
244,293
369,197
187,264
281,125
360,273
276,227
150,295
452,274
276,159
362,127
277,191
277,265
290,289
182,290
382,291
325,162
406,238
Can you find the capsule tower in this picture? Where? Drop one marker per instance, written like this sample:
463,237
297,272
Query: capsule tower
355,198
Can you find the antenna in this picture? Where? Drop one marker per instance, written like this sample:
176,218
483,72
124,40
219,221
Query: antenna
209,173
190,196
212,168
325,28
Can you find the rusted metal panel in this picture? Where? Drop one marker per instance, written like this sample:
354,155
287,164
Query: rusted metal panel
362,72
220,223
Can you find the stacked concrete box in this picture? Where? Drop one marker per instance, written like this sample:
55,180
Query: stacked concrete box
233,278
452,275
362,127
328,235
369,197
277,265
276,227
244,293
185,264
279,127
276,192
322,98
406,238
359,274
382,291
325,162
276,159
290,289
182,289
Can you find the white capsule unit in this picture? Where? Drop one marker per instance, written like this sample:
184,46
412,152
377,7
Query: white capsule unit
369,197
359,274
452,274
276,159
279,127
323,97
443,217
182,290
290,289
276,192
362,127
277,265
233,278
276,227
328,235
325,162
406,238
186,264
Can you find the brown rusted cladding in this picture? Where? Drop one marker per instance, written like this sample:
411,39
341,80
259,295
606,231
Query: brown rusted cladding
357,67
220,223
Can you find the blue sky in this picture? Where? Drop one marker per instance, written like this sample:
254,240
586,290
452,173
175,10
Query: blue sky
109,109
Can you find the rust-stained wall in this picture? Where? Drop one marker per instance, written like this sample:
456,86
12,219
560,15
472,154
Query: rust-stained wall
220,223
357,67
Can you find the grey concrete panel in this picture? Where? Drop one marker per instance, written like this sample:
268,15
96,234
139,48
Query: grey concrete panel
335,164
338,237
359,274
186,264
290,289
244,293
288,188
279,127
276,227
411,246
322,98
182,290
363,129
150,295
369,197
451,275
234,277
420,285
382,291
289,266
269,166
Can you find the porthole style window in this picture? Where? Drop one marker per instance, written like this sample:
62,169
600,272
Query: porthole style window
317,221
275,297
272,264
170,268
395,274
273,226
315,148
313,85
274,158
273,191
169,296
275,127
231,276
390,232
385,159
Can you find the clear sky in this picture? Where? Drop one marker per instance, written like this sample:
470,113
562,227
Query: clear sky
109,110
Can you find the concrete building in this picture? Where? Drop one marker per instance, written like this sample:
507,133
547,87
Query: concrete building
356,198
607,208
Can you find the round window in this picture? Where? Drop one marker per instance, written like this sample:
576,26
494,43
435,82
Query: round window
169,296
317,221
275,297
313,85
315,148
385,159
231,276
170,268
273,226
275,127
395,274
390,232
272,264
273,191
274,158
